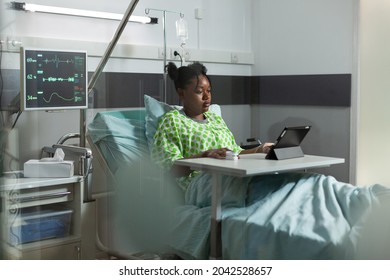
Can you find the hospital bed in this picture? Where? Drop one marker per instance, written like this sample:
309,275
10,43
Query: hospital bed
290,216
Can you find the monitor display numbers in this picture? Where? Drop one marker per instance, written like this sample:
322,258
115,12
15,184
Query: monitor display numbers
54,80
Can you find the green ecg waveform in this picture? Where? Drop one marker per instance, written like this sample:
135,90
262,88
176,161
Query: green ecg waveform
63,98
53,79
56,60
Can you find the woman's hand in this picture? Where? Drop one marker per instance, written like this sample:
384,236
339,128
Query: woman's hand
180,171
263,148
215,153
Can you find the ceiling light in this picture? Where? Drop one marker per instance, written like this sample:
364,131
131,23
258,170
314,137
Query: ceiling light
21,6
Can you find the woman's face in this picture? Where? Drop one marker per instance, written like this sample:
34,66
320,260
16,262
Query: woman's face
196,97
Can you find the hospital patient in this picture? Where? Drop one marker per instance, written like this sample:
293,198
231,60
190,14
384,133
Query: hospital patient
193,131
273,216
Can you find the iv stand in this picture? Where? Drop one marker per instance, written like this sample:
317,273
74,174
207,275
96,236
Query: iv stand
165,47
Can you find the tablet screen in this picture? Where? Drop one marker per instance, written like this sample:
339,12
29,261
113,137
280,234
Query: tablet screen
291,136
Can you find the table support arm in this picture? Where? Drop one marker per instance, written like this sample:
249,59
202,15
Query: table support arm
216,218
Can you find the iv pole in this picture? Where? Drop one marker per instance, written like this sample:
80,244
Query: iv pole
165,75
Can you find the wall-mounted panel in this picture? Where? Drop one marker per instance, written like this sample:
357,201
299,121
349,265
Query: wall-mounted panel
312,90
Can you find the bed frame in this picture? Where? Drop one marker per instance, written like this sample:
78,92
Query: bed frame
106,195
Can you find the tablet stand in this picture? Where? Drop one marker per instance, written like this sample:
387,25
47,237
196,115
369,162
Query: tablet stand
285,153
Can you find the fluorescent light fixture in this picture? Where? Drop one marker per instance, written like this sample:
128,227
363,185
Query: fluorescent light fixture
21,6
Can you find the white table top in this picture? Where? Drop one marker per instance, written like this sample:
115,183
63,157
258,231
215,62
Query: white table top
253,164
10,181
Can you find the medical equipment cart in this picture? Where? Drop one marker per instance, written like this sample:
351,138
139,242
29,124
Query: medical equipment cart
46,218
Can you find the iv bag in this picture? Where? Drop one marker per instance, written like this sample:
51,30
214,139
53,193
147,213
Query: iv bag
182,29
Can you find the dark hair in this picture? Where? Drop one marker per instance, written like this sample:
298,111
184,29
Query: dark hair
183,75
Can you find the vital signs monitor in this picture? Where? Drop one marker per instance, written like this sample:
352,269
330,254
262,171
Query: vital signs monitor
53,79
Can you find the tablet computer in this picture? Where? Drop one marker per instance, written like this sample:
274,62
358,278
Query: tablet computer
287,145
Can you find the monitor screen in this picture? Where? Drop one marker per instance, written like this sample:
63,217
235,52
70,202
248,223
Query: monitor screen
53,79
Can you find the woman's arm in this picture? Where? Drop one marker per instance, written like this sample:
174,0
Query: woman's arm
263,148
180,171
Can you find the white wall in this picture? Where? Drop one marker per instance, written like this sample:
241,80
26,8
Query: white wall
206,41
295,37
373,152
304,37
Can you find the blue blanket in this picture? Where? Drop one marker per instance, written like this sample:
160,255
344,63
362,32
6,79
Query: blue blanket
280,216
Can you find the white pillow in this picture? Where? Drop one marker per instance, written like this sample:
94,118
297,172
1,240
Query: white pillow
156,109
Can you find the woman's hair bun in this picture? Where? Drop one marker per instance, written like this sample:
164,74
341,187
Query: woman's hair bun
172,70
183,76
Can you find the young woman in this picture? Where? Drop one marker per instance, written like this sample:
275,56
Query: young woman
194,131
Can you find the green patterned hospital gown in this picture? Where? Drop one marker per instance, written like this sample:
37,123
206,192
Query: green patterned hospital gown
178,137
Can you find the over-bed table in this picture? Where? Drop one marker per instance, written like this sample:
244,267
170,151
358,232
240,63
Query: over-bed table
247,165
